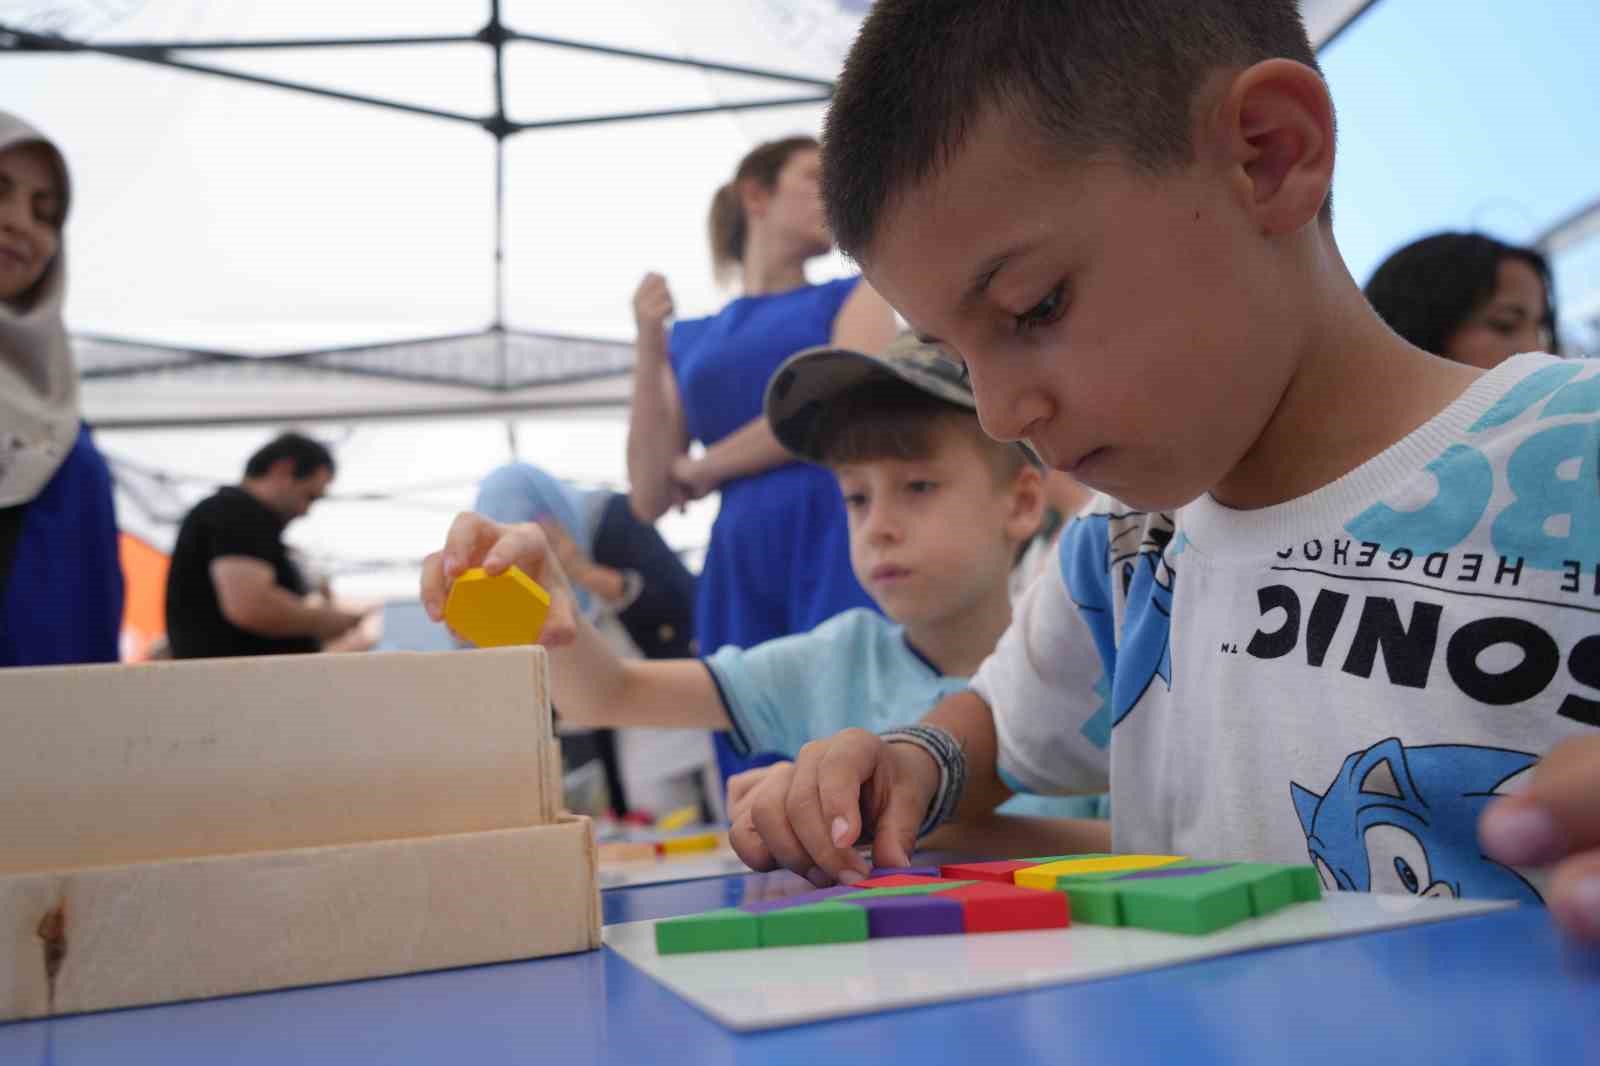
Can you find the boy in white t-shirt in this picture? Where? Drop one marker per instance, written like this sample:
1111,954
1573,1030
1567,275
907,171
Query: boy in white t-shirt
1345,610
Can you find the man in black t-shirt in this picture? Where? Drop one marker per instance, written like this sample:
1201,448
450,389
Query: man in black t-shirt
232,588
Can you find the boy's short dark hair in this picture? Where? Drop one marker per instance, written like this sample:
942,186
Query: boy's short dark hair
1088,74
887,418
309,456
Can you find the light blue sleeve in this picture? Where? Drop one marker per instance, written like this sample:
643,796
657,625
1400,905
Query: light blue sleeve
772,691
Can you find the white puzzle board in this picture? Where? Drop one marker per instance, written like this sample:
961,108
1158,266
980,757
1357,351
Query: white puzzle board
719,863
765,988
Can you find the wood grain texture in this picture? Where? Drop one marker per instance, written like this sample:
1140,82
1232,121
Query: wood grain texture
196,928
123,764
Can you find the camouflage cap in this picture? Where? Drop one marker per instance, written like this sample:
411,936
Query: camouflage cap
808,379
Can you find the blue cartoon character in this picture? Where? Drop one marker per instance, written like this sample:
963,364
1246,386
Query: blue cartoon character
1130,549
1399,819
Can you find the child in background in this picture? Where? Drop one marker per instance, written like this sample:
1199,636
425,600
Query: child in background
936,512
1343,608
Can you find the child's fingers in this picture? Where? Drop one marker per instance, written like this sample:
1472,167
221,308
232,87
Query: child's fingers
1574,896
434,586
894,837
770,813
747,844
1555,816
470,537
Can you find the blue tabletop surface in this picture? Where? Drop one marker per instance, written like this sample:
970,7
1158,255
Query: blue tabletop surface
1501,988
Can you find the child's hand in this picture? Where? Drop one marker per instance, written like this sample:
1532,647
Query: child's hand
1556,822
742,786
476,541
807,815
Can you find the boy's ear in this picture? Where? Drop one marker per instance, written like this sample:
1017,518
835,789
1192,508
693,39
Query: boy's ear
1276,129
1027,504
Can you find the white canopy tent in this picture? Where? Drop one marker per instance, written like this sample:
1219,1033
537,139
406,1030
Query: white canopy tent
415,226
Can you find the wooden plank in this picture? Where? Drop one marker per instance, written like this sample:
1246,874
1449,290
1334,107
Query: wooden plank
124,764
93,939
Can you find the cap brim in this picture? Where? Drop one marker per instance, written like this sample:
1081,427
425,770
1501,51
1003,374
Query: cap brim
808,379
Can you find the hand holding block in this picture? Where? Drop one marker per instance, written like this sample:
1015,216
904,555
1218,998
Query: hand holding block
496,612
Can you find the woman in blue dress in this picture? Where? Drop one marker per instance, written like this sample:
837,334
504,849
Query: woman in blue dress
779,557
60,578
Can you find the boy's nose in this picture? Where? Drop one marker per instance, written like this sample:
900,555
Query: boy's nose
1006,407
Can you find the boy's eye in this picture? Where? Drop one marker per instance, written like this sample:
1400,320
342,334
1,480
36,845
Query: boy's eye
1044,312
855,499
922,485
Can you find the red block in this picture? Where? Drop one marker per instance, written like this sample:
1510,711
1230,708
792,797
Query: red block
985,871
992,908
898,881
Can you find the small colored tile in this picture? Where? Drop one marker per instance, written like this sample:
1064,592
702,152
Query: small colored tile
988,907
1049,874
931,888
1193,905
1177,869
721,930
903,871
493,612
895,881
828,922
1307,885
986,871
1095,901
690,842
802,899
924,915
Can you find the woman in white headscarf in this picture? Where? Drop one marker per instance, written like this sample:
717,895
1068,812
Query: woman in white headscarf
60,580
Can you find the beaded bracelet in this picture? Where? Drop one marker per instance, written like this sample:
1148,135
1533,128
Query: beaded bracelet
943,748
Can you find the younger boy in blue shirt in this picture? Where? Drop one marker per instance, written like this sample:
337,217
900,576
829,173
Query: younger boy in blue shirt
1336,605
937,513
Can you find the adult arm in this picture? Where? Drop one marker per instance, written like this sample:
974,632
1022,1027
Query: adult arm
251,598
657,434
865,323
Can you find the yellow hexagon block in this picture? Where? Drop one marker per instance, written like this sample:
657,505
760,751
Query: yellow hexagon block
494,612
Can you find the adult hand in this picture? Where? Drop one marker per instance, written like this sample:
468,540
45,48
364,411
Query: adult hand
474,540
652,305
692,479
808,815
1556,822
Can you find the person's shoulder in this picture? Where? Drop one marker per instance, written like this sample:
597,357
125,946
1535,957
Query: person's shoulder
857,622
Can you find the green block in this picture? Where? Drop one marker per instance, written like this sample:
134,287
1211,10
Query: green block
1200,904
1271,887
829,922
1094,900
724,930
1059,858
1307,885
901,890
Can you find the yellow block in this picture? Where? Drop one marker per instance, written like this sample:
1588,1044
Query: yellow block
679,818
693,842
1045,876
494,612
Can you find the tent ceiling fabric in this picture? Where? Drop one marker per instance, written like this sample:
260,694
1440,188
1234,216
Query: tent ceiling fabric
228,217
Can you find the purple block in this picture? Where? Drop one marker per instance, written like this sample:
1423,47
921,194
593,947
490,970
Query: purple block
909,871
922,915
762,906
1182,871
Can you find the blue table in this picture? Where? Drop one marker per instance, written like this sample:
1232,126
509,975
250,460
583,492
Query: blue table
1499,988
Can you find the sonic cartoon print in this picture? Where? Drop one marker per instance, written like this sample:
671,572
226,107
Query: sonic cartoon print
1398,819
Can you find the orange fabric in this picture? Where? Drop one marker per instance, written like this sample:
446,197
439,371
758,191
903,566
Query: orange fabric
144,614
